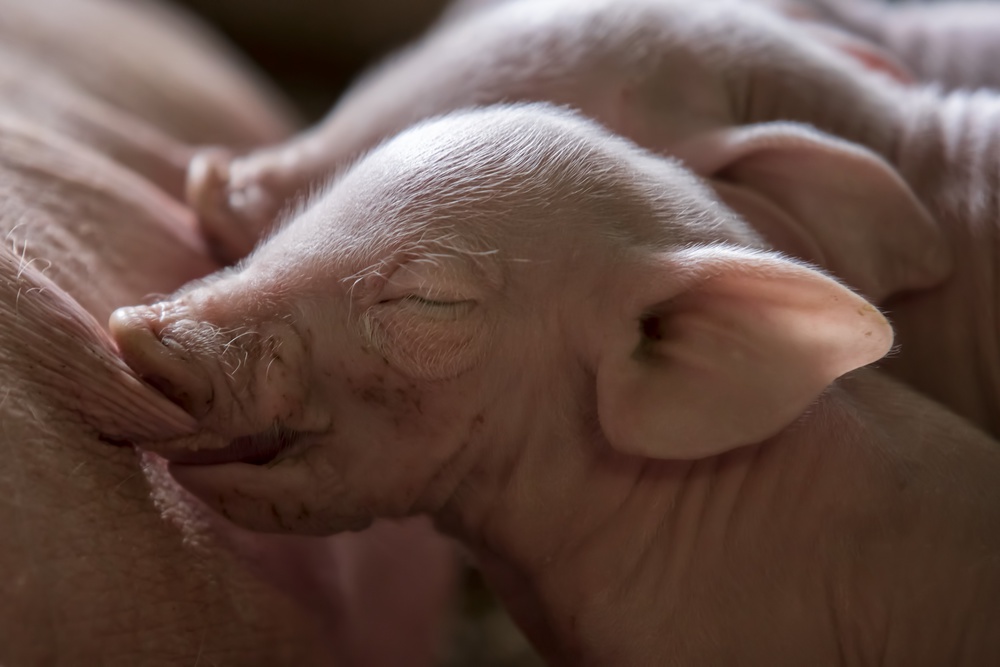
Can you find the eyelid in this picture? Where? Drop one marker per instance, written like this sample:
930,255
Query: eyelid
440,310
438,303
410,281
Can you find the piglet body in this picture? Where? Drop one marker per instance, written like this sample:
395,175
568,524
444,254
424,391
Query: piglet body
578,361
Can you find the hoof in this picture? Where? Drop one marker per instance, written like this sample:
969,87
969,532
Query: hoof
210,193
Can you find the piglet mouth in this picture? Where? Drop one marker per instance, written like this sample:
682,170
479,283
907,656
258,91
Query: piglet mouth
256,449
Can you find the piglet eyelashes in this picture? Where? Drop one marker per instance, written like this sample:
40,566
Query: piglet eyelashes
439,308
430,301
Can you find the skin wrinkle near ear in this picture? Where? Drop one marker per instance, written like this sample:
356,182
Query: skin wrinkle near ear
869,96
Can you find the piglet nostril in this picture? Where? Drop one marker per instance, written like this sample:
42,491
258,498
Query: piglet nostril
173,372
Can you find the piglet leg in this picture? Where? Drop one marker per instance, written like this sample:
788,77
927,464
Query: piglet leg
239,199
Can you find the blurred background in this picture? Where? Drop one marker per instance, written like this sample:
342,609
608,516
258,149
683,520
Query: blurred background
314,48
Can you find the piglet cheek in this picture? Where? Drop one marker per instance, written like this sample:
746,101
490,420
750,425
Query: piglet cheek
424,349
279,498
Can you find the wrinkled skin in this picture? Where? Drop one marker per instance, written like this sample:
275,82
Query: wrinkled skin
33,95
952,44
687,80
151,61
99,570
511,309
138,105
955,44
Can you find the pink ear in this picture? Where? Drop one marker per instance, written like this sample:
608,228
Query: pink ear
826,200
723,347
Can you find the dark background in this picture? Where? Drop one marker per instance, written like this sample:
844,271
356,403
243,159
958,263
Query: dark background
313,48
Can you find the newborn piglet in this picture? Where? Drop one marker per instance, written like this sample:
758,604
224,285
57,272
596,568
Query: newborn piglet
584,366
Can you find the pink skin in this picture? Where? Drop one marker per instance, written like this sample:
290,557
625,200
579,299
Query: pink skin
239,197
150,60
706,82
955,44
59,70
93,574
572,356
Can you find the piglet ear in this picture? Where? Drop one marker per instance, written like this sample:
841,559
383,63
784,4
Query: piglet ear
826,200
721,347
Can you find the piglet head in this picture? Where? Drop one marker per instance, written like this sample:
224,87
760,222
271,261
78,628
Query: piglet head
484,287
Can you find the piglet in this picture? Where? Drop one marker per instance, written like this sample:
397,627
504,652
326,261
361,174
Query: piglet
583,365
636,66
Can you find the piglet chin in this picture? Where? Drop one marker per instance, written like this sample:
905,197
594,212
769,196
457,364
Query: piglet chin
210,449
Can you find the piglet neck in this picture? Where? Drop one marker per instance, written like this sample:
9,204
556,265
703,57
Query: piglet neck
524,507
541,526
580,539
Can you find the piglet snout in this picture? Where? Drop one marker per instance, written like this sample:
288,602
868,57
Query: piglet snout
169,368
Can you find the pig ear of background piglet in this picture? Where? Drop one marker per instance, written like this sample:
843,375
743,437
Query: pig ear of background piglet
720,347
826,200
